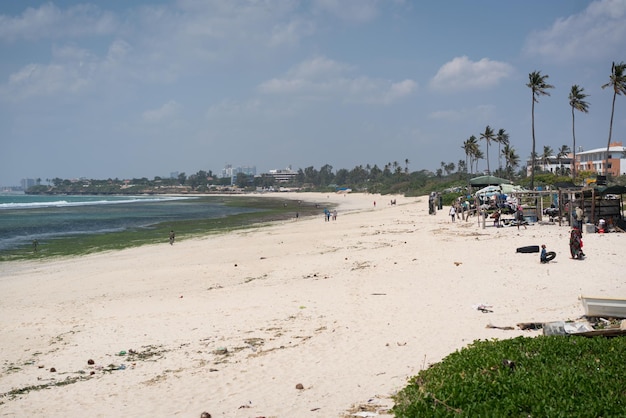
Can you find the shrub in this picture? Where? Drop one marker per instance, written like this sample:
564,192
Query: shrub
522,377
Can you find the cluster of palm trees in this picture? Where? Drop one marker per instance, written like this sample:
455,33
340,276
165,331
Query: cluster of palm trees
473,153
540,87
548,155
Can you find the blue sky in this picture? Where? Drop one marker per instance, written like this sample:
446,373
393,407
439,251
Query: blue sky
120,89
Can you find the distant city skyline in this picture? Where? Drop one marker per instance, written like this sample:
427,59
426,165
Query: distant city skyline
101,89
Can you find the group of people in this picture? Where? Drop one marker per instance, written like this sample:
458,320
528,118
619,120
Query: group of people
434,202
328,215
575,247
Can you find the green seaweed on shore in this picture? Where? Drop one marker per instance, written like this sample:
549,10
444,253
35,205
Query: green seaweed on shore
14,393
266,210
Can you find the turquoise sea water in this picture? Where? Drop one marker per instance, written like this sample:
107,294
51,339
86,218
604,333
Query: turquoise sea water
24,218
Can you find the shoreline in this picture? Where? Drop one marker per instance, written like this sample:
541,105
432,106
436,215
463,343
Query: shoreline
232,323
79,244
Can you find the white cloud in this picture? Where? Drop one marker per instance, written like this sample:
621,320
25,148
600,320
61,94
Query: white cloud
399,90
291,33
597,32
463,74
35,80
70,71
325,79
168,111
48,21
319,68
116,60
160,44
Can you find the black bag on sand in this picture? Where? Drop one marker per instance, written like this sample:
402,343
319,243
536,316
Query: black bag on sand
529,249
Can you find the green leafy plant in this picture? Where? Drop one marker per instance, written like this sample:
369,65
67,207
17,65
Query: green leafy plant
522,377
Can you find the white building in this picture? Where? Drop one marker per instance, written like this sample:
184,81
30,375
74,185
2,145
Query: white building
283,176
230,171
562,166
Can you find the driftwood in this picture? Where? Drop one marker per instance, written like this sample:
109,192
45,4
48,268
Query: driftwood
530,325
497,327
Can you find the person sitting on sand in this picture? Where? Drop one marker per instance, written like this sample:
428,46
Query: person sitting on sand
546,256
496,219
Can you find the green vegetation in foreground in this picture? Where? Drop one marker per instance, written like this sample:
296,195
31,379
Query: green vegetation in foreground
523,377
268,210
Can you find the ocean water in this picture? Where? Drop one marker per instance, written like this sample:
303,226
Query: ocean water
24,218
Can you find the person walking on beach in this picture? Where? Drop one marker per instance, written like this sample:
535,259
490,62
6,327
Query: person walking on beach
520,217
579,215
576,244
172,237
452,212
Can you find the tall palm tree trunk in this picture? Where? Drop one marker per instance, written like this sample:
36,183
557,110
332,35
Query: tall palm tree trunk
533,155
574,147
488,170
608,145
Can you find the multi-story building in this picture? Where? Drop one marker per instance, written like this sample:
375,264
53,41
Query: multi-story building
230,171
283,176
27,183
594,160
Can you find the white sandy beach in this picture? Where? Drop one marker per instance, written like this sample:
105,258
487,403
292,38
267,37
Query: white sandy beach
231,324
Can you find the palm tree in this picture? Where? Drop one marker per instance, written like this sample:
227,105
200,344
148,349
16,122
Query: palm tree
461,166
478,155
511,159
538,85
545,156
470,146
534,157
577,102
618,82
466,149
502,138
488,136
563,151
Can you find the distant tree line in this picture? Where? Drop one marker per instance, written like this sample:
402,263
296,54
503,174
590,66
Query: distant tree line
392,178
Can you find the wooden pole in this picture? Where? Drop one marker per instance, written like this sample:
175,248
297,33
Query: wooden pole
560,206
593,205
